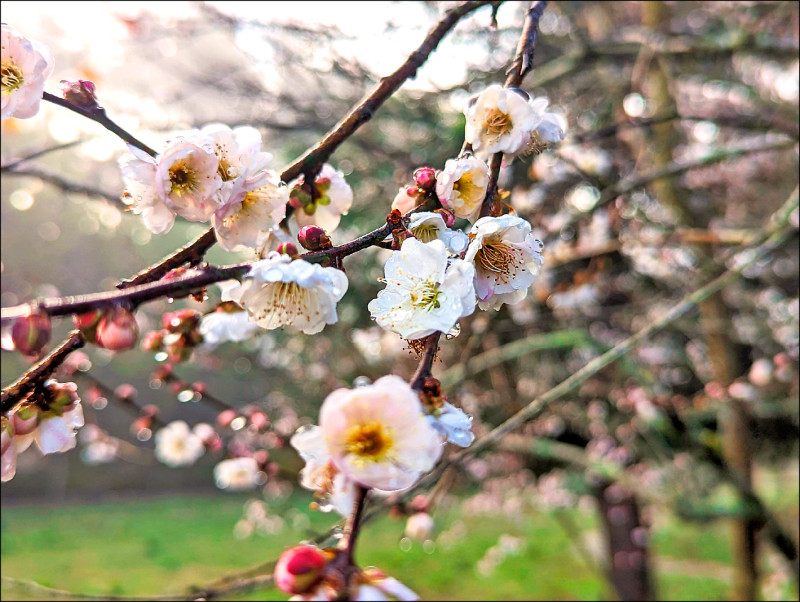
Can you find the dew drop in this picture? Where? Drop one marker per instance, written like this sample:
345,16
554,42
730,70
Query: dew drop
238,423
361,381
429,546
100,403
186,395
144,434
405,544
454,331
161,356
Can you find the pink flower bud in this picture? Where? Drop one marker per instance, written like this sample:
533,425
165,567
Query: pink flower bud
87,324
31,332
80,93
25,419
205,432
420,503
153,341
259,420
117,330
182,321
226,417
61,397
261,457
425,178
126,391
412,191
761,372
448,217
150,410
299,569
287,248
313,238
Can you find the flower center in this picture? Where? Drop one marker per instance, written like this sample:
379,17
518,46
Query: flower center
368,441
183,178
426,232
280,303
497,257
425,295
467,189
11,77
497,123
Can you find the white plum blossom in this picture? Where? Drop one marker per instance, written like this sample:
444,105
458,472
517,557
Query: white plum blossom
326,212
138,174
279,291
320,475
222,325
177,445
237,474
461,186
506,256
510,121
26,65
423,293
378,436
187,178
57,434
453,424
373,586
428,226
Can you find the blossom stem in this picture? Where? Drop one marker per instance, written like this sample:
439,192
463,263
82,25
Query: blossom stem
354,524
426,362
362,242
519,68
99,115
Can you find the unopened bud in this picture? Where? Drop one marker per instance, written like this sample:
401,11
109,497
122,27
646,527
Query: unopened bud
287,248
448,217
182,321
313,238
425,178
153,341
259,420
87,323
31,333
419,503
118,330
126,391
61,397
81,93
299,569
226,417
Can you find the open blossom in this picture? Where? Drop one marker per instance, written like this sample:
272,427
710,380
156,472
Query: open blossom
320,475
427,226
377,435
423,293
222,325
506,256
238,474
370,585
509,121
335,200
461,186
177,445
453,423
26,66
138,173
279,291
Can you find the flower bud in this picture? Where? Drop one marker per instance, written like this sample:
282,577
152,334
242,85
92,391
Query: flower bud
205,432
117,330
61,397
299,569
425,178
419,526
80,93
126,391
87,323
31,333
313,238
448,217
419,503
226,417
287,248
182,321
153,341
761,372
259,420
25,419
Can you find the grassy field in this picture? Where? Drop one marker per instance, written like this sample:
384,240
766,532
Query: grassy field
158,546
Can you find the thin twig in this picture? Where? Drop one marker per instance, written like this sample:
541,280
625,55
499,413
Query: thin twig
59,182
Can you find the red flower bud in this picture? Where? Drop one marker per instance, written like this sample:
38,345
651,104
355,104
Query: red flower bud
448,217
31,333
425,178
117,330
313,238
153,341
87,323
412,191
287,248
299,569
226,417
182,321
259,420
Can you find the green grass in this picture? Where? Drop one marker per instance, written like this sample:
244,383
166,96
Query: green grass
160,546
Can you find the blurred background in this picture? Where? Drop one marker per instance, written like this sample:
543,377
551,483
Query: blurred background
621,489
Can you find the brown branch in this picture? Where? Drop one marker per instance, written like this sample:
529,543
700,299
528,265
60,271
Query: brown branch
426,362
99,115
15,392
126,402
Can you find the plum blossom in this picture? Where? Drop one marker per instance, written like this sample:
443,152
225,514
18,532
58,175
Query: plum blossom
506,256
237,474
461,186
177,445
320,475
453,423
226,325
138,174
371,585
279,291
510,121
427,226
326,211
26,65
423,293
377,435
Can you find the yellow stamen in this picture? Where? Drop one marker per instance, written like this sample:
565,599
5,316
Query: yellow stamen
499,258
12,77
183,178
497,123
425,295
368,442
425,232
